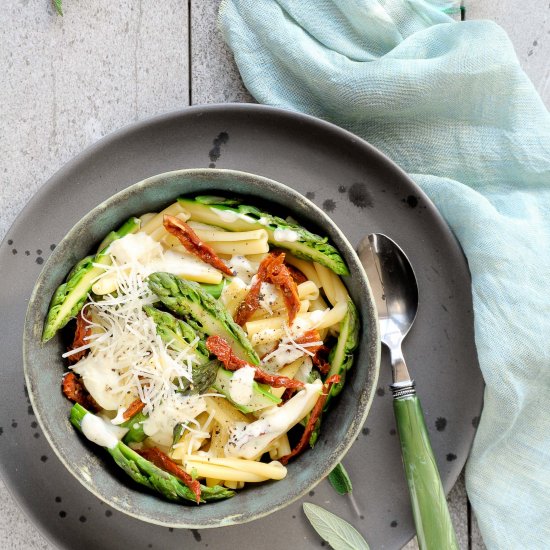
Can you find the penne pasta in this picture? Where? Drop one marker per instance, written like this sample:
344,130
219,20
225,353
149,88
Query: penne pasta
335,291
257,258
156,222
212,482
204,226
289,371
268,335
146,218
240,248
272,328
233,294
318,304
224,413
333,316
281,447
210,236
274,470
221,472
305,267
308,291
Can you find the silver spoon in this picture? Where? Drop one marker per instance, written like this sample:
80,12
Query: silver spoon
396,295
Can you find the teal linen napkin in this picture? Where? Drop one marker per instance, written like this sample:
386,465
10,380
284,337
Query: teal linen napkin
448,102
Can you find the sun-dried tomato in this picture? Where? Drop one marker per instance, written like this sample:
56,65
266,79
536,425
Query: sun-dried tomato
74,389
289,392
309,337
164,462
82,330
222,350
251,303
296,274
134,407
271,270
276,381
190,240
320,360
313,417
279,275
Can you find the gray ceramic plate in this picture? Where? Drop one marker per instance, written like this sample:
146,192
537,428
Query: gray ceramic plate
44,367
362,191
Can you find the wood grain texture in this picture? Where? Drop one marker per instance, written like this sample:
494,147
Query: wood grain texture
67,81
528,26
214,75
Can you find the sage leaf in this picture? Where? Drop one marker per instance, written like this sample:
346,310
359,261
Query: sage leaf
58,6
336,531
340,481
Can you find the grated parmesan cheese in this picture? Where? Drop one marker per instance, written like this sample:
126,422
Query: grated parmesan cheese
288,350
128,359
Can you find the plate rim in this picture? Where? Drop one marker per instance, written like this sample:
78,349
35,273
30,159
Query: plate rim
131,127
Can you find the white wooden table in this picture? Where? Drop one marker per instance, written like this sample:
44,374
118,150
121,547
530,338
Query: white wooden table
66,82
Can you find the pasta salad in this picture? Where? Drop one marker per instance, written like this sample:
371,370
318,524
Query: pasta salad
207,341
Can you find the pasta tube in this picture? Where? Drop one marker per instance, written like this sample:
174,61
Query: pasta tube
210,236
155,223
273,470
308,290
240,248
334,289
305,267
220,472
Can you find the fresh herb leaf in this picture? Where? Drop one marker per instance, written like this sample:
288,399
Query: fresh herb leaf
340,481
336,531
58,6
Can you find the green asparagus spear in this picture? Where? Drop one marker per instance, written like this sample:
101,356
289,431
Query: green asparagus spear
179,334
203,378
69,297
79,265
130,226
187,299
135,432
281,233
149,475
214,290
341,355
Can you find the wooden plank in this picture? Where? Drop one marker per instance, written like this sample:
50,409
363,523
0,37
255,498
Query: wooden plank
528,26
476,541
215,77
67,81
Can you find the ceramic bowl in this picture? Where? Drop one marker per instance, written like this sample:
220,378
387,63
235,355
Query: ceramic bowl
91,465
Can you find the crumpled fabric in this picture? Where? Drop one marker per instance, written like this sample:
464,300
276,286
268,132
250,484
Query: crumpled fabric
449,103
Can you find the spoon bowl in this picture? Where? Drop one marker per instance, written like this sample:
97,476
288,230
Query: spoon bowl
395,290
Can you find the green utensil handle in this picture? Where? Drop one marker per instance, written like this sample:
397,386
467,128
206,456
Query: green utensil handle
434,528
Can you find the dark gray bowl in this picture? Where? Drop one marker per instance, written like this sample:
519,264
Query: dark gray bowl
91,465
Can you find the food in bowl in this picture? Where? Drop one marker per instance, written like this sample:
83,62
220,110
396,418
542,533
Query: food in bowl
203,336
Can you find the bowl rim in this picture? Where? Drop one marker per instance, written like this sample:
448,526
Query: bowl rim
373,354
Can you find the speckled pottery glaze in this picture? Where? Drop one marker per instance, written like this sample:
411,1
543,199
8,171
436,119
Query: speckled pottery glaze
92,466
